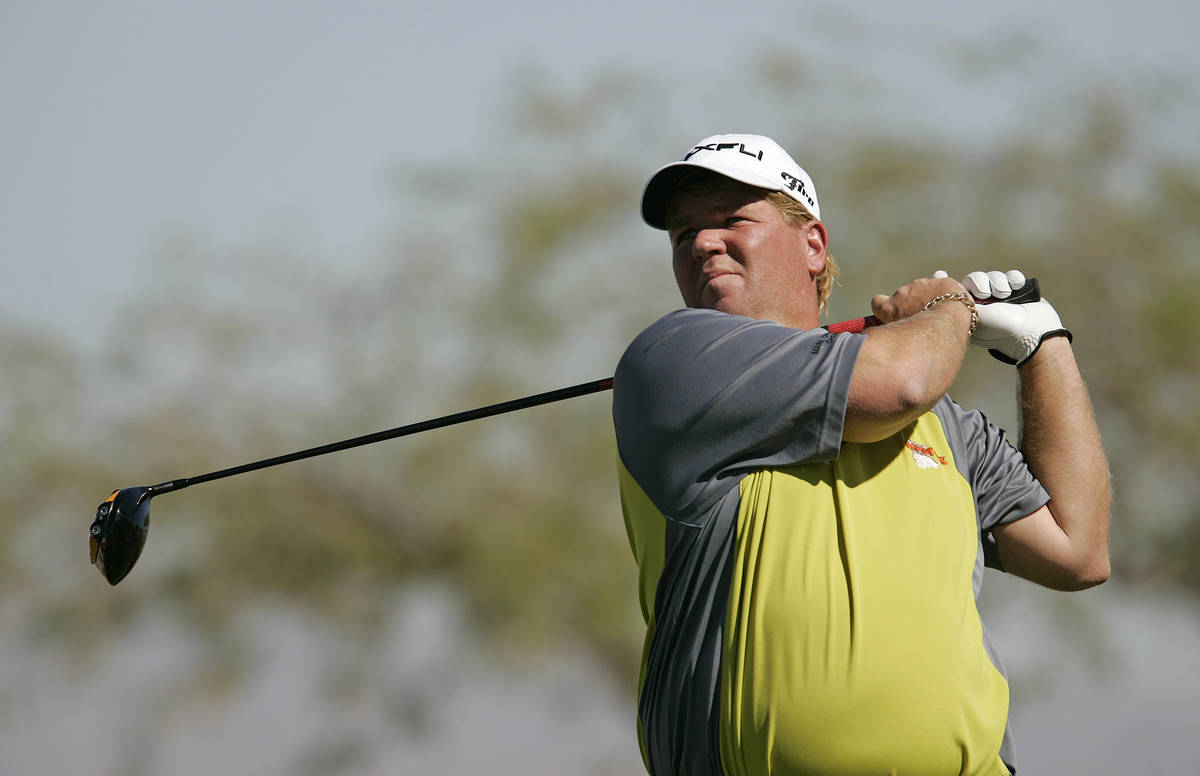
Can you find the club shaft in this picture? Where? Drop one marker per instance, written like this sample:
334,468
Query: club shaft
853,325
413,428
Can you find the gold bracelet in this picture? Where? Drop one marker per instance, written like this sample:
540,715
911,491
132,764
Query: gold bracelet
958,296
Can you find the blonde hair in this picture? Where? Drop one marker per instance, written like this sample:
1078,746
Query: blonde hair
797,216
704,182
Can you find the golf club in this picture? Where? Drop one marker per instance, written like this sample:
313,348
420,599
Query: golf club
118,531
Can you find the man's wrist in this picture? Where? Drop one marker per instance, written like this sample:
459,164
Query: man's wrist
958,296
1055,344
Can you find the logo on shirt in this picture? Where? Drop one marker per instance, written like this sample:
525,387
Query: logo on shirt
821,342
926,457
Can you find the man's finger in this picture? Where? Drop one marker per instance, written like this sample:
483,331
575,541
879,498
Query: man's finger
978,285
999,283
877,303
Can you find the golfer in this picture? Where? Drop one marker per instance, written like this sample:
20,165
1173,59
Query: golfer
811,514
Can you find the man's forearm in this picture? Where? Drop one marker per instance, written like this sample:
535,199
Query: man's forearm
1062,445
903,369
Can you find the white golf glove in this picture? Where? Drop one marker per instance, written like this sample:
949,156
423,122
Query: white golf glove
1011,332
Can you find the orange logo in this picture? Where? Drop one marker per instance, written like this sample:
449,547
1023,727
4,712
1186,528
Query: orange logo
926,457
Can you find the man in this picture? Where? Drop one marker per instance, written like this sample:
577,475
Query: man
811,515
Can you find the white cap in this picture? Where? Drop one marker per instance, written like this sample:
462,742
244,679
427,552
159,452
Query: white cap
752,159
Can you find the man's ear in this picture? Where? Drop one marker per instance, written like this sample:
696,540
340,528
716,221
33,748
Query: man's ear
817,240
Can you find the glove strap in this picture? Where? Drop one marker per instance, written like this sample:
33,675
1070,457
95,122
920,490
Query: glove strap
1013,362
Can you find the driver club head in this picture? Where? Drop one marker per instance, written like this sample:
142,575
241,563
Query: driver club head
118,532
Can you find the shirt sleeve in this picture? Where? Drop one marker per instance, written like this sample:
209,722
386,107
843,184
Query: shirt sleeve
702,397
1004,488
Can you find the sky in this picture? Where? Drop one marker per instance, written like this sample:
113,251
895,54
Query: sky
128,122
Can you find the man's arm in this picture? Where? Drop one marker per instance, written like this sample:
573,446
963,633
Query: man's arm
1063,545
904,368
702,395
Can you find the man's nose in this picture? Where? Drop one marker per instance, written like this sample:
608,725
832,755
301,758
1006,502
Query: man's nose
707,243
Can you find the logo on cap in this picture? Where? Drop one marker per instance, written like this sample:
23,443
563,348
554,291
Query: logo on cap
740,147
795,184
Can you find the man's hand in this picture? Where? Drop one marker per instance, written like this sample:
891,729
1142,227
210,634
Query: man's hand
911,298
1011,332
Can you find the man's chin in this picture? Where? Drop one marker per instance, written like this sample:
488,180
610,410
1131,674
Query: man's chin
733,307
720,302
726,304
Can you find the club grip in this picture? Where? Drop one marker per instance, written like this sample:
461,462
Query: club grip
854,325
1030,292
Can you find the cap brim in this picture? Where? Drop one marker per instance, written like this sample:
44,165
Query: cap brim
662,184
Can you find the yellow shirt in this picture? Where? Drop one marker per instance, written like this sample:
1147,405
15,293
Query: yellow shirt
810,605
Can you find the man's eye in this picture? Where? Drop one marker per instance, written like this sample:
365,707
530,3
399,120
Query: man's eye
733,220
684,236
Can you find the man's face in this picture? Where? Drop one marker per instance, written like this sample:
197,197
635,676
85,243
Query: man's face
735,252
